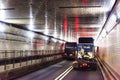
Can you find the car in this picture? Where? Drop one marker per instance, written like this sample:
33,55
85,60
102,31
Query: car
70,50
85,63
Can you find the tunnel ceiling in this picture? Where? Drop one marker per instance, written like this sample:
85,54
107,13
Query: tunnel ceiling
69,19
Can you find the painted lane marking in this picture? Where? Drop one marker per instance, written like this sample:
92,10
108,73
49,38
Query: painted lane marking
66,73
61,76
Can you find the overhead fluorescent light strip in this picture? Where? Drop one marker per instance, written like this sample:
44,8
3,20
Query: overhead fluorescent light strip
91,23
80,6
85,17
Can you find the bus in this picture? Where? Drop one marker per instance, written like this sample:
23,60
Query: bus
86,58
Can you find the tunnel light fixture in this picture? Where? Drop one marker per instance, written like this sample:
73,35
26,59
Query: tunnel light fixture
98,41
31,24
113,17
30,34
46,38
54,40
46,28
111,22
60,41
2,17
111,3
61,32
2,12
46,31
118,11
2,27
46,20
104,33
61,35
55,33
107,6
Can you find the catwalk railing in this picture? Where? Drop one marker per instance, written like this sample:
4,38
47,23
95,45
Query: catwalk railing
16,63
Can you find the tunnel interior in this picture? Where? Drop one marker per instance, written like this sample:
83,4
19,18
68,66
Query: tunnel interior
33,34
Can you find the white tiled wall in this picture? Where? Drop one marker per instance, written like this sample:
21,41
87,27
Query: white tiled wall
110,48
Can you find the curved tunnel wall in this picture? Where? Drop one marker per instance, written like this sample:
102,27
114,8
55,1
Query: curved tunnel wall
109,43
17,39
109,49
19,48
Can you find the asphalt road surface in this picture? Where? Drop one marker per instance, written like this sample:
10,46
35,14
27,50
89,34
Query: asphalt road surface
63,71
84,75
